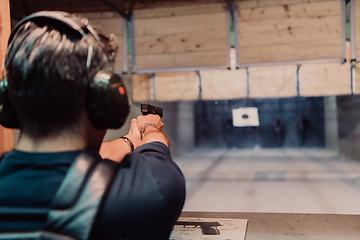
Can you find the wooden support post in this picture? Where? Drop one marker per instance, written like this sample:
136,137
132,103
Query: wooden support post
6,135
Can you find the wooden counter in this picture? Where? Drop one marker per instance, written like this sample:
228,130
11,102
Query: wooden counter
288,226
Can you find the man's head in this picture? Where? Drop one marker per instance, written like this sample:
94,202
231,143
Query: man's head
47,74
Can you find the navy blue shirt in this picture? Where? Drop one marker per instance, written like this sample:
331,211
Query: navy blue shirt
143,202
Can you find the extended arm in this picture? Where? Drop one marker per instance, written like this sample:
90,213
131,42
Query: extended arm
147,194
117,149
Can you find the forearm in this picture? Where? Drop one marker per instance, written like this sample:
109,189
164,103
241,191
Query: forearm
115,150
148,130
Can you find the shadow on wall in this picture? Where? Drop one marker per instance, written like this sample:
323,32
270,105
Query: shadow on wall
348,115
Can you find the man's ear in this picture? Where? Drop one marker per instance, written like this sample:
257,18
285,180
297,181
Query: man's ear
110,44
112,47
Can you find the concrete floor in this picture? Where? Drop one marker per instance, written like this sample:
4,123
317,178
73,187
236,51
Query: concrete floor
257,180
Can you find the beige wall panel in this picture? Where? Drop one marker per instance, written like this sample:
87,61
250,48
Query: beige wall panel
347,51
175,86
283,33
357,79
324,79
182,37
110,22
275,81
223,84
7,140
141,84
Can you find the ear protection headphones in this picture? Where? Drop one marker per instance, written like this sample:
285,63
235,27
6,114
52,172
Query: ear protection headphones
106,99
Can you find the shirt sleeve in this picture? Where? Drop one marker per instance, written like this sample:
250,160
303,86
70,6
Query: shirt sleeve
146,197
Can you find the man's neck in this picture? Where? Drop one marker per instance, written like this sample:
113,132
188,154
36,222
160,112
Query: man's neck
81,135
51,144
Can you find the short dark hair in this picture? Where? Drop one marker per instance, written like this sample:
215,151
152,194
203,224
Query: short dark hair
47,74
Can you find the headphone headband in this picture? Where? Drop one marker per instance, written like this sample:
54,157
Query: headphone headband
61,17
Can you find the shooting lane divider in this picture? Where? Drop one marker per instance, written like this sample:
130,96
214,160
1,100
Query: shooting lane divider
199,84
298,80
247,83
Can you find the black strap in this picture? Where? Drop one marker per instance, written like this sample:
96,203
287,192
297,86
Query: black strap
77,201
2,156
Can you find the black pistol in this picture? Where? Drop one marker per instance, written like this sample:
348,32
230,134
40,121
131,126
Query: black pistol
207,228
151,109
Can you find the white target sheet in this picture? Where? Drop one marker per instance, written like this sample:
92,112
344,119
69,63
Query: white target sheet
245,117
209,229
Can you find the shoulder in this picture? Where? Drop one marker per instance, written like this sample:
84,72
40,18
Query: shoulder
153,147
154,161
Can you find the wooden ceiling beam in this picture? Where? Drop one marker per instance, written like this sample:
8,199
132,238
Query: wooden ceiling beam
124,11
73,6
19,10
26,7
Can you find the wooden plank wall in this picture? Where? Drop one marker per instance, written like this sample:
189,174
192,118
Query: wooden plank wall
275,81
322,40
357,79
176,86
223,84
264,82
327,78
324,79
141,84
181,37
169,86
288,30
6,135
110,22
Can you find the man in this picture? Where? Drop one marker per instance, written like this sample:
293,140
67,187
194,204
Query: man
48,77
